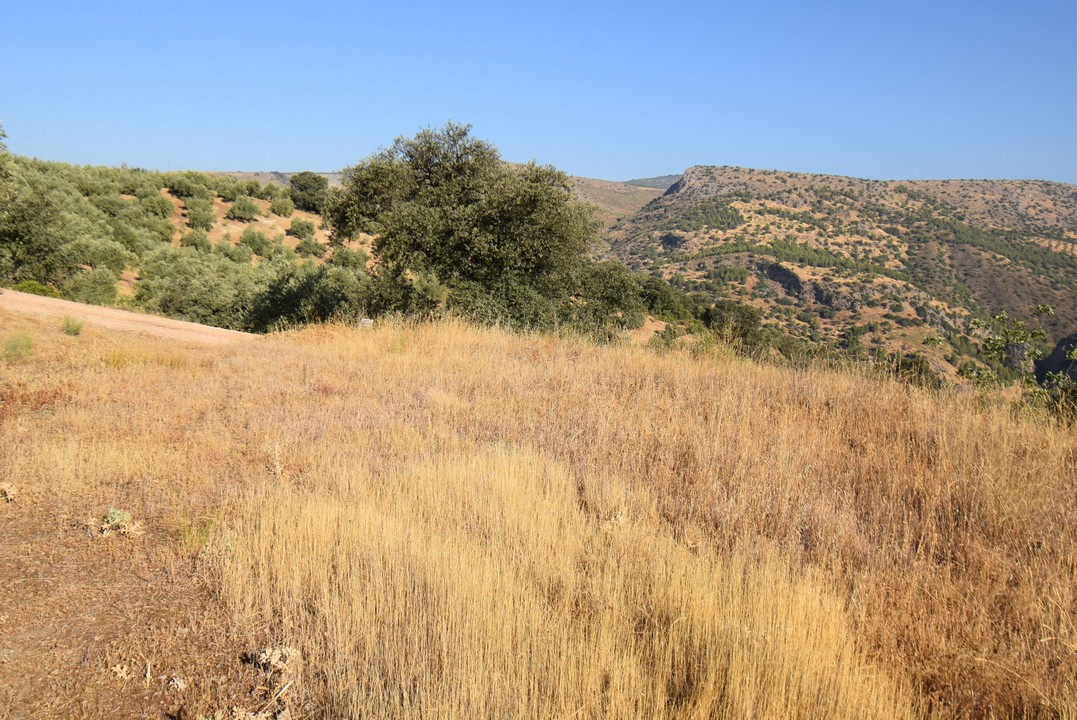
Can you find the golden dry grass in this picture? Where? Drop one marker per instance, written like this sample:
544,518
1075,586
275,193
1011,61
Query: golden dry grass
459,523
493,585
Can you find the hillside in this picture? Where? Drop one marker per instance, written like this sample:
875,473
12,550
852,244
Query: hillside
430,520
613,200
864,263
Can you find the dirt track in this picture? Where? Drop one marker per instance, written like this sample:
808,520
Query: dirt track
113,319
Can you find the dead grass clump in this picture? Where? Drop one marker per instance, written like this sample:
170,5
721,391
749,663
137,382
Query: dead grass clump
8,492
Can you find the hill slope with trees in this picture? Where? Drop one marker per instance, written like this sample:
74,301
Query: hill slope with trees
867,266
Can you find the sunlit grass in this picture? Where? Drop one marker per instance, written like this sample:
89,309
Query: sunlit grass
460,523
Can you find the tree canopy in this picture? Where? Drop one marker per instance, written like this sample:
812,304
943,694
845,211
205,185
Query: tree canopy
458,228
308,191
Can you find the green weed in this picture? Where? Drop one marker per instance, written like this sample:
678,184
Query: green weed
18,347
72,326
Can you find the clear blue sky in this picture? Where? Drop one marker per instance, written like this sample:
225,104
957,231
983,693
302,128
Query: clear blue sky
614,90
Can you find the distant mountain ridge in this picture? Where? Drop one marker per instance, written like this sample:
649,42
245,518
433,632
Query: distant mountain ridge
855,261
662,182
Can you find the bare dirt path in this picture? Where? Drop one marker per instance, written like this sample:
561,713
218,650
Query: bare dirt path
114,319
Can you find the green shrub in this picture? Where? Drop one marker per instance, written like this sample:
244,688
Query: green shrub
96,287
198,240
200,287
297,294
301,228
200,214
188,185
282,205
251,187
101,253
72,326
352,259
33,287
309,247
157,205
258,242
243,210
228,189
235,253
308,191
18,347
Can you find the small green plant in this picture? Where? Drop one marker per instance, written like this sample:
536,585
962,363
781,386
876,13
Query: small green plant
18,347
120,522
72,326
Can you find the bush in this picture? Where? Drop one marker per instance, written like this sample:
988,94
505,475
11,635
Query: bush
188,185
101,253
156,205
282,205
258,242
733,321
308,191
243,210
33,287
96,287
251,187
235,253
200,214
228,189
352,259
72,326
198,240
120,522
301,228
200,287
309,247
309,293
18,347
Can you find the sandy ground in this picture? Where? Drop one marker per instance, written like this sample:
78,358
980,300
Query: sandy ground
122,320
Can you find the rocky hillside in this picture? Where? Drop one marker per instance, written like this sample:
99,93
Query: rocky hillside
864,263
613,200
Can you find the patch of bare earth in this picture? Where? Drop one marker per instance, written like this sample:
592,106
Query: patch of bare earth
116,319
95,625
99,627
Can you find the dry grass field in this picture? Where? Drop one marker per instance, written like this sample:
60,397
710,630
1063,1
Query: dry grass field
442,522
